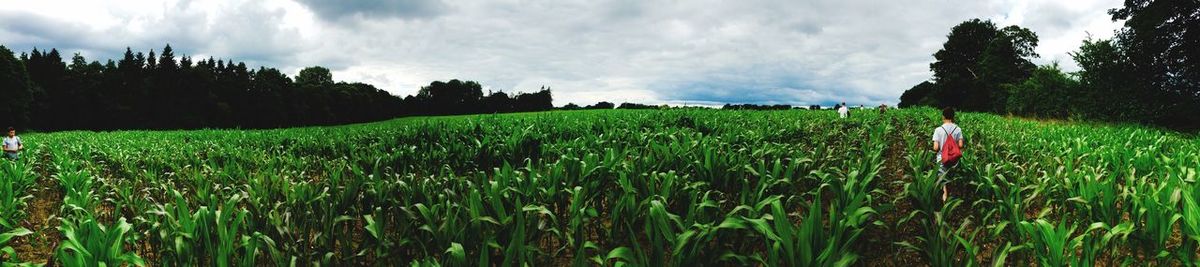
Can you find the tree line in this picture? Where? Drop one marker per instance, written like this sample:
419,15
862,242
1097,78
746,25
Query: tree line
466,97
39,90
598,105
727,106
1148,73
759,107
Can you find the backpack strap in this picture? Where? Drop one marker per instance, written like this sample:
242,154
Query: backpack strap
948,133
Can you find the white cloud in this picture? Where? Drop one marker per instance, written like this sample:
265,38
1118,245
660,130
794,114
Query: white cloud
655,51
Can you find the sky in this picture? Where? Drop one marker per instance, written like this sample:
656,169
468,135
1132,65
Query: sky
701,52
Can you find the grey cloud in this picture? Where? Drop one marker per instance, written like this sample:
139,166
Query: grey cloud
337,10
680,49
24,30
245,31
653,51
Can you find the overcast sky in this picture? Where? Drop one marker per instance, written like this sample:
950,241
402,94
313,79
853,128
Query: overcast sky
645,51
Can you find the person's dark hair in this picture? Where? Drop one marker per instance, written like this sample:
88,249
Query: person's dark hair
11,129
948,113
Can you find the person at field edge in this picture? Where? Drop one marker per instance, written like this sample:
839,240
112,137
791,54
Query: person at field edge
940,133
843,111
12,144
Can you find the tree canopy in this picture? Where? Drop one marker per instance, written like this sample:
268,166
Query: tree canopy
1148,73
165,91
15,88
975,61
1160,46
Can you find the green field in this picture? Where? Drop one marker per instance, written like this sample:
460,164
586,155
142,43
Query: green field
681,187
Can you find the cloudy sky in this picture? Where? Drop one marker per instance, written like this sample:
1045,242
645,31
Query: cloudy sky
646,51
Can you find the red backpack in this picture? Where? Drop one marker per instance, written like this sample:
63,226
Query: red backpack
950,150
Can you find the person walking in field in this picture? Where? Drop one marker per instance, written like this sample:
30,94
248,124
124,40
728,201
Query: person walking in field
13,145
947,142
843,111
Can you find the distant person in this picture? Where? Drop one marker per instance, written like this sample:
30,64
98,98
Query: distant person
843,111
883,108
947,142
13,145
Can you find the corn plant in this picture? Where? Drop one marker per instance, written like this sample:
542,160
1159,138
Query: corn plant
13,195
1053,245
89,243
812,243
79,197
675,187
1056,245
177,231
942,243
1190,227
1155,217
1095,196
9,253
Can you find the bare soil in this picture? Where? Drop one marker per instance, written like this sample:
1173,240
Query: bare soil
43,211
876,243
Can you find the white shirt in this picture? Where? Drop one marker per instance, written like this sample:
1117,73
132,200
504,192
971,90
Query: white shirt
939,136
843,112
12,143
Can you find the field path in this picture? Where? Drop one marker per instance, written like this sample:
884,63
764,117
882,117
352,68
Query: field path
877,243
42,220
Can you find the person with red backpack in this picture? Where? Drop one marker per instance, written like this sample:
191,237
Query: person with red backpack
948,142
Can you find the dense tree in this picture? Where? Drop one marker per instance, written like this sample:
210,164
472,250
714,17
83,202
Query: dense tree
1047,93
314,76
498,102
1004,61
1110,91
537,101
756,107
16,90
453,97
1161,41
601,105
466,97
636,106
268,90
1162,38
1149,73
919,95
45,72
975,61
167,91
571,106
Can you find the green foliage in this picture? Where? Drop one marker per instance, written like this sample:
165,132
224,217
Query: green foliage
1110,90
89,243
17,179
168,92
314,76
977,58
1047,94
1160,40
920,95
16,88
1143,75
13,196
675,187
8,251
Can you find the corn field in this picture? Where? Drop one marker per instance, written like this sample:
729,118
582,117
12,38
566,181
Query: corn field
678,187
